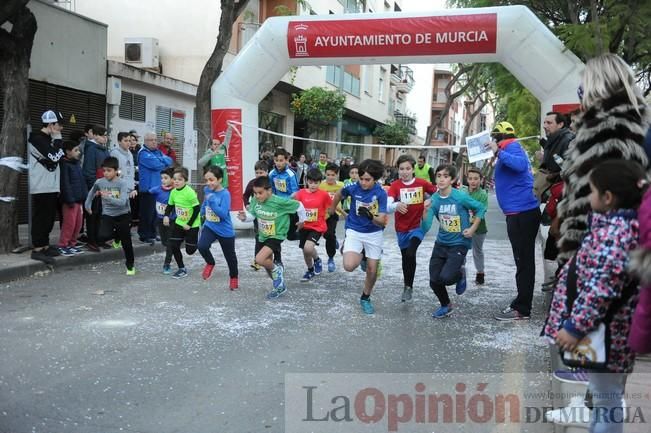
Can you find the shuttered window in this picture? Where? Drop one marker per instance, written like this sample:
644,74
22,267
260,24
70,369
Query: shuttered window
171,120
132,106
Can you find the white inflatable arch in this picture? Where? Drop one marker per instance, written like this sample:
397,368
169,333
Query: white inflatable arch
510,35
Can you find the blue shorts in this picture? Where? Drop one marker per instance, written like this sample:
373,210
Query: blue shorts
405,237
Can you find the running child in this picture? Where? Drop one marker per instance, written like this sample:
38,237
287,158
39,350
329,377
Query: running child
273,215
316,201
284,184
185,228
476,192
161,195
364,225
332,185
407,198
451,208
353,174
217,226
595,286
261,169
115,221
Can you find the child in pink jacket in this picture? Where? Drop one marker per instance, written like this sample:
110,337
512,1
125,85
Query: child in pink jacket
640,337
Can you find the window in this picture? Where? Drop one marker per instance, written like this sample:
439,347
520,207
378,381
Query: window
132,107
171,120
380,87
272,122
350,79
368,80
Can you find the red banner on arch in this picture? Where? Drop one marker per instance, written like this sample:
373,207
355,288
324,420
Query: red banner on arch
460,34
220,118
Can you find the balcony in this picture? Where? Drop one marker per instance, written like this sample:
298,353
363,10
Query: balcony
408,121
402,78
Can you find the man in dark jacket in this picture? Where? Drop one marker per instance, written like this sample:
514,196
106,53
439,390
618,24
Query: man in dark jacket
558,140
44,154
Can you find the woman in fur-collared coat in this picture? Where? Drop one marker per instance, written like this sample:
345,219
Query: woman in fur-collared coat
613,126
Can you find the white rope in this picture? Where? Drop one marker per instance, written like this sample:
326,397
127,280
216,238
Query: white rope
385,146
7,199
13,162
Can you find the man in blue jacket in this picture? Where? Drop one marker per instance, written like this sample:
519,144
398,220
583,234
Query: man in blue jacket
514,190
151,162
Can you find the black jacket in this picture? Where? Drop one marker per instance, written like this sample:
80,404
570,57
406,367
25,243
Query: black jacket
73,184
556,144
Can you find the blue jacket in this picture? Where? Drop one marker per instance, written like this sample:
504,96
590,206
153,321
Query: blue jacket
150,164
283,183
513,179
94,156
216,209
73,184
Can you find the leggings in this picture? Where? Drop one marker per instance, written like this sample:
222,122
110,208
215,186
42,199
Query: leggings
228,248
176,239
331,235
165,232
409,261
118,227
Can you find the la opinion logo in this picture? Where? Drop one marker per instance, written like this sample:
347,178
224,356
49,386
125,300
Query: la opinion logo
300,41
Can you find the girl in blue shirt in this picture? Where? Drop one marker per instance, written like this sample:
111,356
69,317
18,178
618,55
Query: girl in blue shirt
217,225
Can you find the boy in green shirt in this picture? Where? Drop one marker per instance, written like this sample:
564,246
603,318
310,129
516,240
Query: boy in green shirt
476,192
183,200
272,213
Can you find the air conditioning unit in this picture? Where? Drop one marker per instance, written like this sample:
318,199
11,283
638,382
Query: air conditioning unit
141,52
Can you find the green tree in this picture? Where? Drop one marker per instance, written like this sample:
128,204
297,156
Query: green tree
318,105
393,133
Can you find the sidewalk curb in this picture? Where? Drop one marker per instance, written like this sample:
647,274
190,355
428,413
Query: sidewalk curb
31,267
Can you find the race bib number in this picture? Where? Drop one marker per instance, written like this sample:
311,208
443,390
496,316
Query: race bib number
451,223
211,216
267,228
411,195
374,207
311,215
160,208
281,185
182,213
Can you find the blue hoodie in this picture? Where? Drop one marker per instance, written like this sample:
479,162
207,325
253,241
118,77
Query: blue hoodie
513,179
216,209
150,164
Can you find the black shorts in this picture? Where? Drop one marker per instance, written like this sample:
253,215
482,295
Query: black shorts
274,244
308,235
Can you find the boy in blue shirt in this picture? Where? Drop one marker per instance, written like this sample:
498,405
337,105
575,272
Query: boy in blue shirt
161,194
284,184
364,225
451,208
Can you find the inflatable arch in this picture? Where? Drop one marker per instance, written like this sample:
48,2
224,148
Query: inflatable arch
511,35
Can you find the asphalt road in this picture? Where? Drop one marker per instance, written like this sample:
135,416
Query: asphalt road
92,350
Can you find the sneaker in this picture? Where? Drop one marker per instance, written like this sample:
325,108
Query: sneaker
331,265
479,278
51,252
65,252
116,244
255,266
443,311
234,283
318,267
462,284
92,247
575,413
277,292
42,257
207,271
277,276
367,306
579,376
509,315
131,272
181,273
307,276
167,270
75,250
407,294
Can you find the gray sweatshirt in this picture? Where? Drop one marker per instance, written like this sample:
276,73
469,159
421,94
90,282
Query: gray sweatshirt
127,167
117,203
